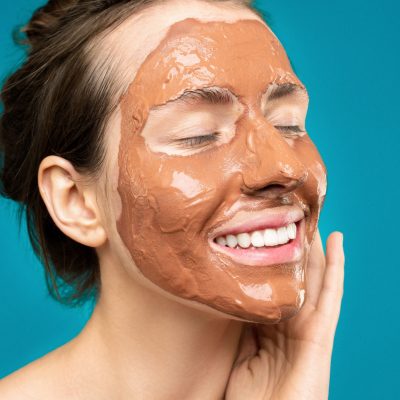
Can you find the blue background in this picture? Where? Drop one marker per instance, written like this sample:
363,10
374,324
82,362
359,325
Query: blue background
347,54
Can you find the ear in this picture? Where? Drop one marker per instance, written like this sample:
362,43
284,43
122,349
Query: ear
71,201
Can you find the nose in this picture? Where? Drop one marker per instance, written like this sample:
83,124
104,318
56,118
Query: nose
271,167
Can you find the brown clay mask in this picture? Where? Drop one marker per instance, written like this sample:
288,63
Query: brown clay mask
212,150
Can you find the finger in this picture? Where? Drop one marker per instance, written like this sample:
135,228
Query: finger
332,287
247,344
315,271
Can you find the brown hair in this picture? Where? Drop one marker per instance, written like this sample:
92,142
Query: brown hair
55,103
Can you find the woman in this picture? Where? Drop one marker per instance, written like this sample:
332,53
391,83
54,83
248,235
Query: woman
160,152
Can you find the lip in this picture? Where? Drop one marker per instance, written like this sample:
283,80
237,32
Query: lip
281,254
259,220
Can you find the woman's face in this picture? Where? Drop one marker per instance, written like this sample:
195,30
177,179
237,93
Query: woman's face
220,185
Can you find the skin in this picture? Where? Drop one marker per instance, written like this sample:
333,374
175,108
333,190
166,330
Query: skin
140,325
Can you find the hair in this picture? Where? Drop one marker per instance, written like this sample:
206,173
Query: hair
57,103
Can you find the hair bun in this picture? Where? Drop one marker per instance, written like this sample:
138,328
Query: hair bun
45,20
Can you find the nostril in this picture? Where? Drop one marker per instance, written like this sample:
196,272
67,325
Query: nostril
274,186
270,190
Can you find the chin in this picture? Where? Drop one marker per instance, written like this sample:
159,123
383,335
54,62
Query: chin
274,316
285,304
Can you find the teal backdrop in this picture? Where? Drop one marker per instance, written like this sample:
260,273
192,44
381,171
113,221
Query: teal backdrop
347,54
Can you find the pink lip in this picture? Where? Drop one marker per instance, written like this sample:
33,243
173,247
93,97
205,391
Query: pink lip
281,254
273,218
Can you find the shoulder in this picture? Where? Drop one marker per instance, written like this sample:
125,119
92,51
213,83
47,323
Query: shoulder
13,386
21,384
38,380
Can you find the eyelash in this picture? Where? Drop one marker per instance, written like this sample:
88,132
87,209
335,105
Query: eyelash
201,141
289,128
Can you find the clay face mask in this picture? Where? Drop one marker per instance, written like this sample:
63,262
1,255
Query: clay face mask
212,150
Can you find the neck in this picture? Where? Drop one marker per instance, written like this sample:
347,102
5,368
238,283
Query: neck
140,344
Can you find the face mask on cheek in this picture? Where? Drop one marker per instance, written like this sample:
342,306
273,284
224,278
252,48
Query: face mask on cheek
172,205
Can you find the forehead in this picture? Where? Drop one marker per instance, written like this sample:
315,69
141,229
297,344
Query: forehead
243,56
128,45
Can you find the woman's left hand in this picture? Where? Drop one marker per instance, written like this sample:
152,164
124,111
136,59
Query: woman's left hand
292,359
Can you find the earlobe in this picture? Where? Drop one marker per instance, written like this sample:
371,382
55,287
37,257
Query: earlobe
70,201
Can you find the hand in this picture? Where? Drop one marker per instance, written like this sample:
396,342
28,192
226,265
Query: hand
291,360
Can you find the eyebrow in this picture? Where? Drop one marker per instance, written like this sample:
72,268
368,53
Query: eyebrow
219,95
210,95
285,89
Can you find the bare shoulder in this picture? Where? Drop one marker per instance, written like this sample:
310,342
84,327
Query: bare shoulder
16,385
39,380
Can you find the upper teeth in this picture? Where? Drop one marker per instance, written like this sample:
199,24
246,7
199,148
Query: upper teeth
266,237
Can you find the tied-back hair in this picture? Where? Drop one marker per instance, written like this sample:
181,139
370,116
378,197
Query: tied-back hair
56,104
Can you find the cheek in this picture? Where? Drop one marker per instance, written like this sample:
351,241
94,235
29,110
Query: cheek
318,171
165,206
315,186
314,189
185,199
317,179
168,198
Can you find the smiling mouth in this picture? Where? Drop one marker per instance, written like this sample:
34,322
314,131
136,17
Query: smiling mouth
270,237
271,246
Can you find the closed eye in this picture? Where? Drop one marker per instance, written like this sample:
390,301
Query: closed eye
198,141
